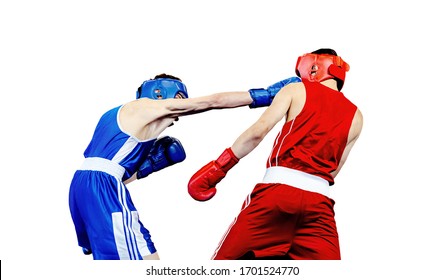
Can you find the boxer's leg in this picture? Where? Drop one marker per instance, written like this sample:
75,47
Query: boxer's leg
316,238
261,230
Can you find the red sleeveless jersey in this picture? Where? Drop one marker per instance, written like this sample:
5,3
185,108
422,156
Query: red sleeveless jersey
314,141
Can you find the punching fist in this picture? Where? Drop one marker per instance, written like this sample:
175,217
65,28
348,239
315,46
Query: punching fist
165,152
263,97
201,186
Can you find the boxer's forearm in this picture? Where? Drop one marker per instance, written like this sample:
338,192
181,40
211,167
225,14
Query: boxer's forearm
190,106
232,99
242,148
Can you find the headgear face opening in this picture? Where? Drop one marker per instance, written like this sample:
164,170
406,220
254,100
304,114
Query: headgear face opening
161,88
320,67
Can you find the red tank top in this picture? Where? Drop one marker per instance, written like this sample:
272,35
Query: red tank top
314,141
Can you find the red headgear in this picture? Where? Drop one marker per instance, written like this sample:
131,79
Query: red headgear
320,67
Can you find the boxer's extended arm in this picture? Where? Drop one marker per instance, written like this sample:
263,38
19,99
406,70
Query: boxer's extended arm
146,118
221,100
172,108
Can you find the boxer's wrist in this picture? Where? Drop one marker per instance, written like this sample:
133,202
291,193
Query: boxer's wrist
227,160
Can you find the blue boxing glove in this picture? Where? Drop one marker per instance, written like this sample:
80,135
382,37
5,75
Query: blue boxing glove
263,97
165,152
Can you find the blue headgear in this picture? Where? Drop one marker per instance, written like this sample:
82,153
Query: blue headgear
161,88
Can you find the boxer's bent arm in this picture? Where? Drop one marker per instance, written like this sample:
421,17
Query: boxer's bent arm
250,139
131,179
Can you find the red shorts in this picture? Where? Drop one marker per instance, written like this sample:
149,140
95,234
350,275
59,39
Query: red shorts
281,221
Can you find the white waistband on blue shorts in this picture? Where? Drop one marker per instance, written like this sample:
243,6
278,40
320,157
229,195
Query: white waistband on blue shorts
297,179
104,165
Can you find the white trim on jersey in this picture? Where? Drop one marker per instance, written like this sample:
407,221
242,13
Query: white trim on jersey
272,150
281,144
126,149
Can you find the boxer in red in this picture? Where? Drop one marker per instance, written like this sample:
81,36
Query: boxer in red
290,215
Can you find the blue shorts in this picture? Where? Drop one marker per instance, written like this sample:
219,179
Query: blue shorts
106,221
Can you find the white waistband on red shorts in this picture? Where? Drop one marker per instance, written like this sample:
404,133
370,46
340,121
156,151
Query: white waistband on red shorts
104,165
297,179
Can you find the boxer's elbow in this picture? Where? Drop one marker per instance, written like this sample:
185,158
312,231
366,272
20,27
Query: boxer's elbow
248,141
257,132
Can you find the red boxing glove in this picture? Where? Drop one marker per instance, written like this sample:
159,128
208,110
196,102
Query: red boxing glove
201,186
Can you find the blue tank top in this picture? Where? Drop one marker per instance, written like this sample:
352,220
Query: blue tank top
110,142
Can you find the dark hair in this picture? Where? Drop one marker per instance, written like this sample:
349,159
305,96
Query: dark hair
166,76
331,52
325,51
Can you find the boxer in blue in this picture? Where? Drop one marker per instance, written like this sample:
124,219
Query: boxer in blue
125,147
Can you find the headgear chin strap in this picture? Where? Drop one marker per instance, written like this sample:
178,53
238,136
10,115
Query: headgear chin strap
161,88
320,67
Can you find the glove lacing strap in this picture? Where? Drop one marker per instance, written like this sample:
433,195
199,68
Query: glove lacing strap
227,160
103,165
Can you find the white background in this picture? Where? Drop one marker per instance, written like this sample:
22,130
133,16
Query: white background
63,63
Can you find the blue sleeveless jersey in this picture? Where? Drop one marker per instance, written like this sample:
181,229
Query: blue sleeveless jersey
110,142
105,218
